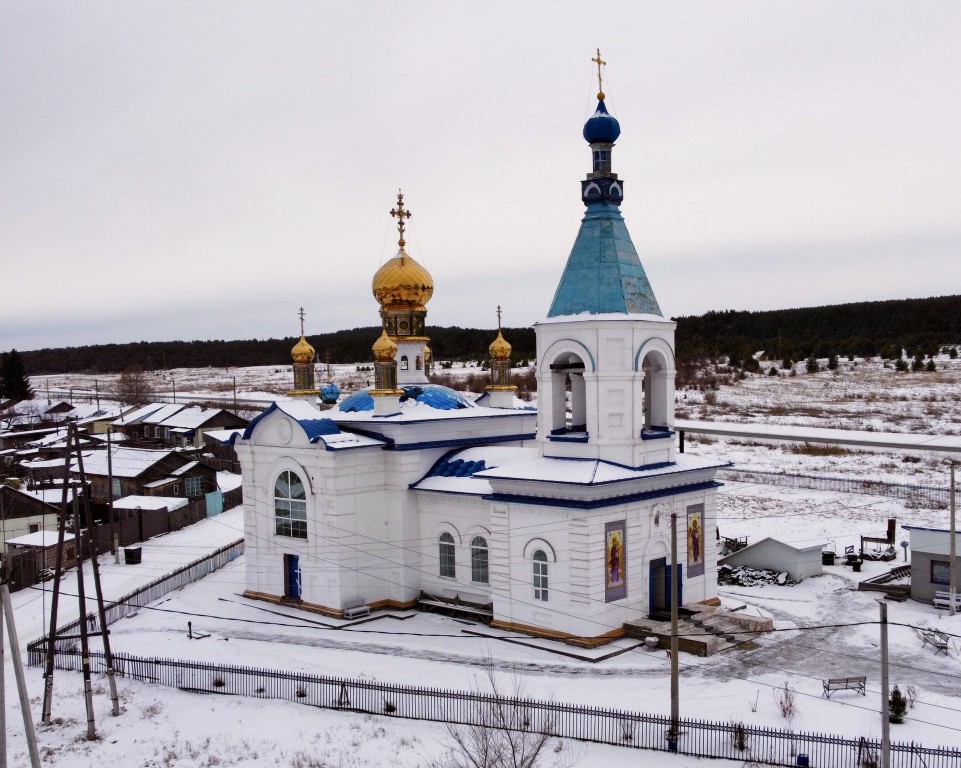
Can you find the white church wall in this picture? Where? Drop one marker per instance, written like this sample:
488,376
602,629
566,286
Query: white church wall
463,517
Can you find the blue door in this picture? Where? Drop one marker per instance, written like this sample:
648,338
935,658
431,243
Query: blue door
659,581
292,577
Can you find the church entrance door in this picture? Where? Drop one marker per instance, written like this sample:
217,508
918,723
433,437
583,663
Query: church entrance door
660,586
292,577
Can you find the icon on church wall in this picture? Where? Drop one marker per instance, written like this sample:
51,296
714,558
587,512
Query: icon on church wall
695,540
615,561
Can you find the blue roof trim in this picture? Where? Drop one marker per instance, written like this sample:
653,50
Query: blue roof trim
313,428
541,501
603,273
464,442
642,468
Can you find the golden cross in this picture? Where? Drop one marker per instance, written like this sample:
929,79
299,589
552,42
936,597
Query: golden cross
498,317
301,313
600,62
400,214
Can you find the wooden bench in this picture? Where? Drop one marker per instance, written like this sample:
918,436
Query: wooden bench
936,639
942,600
844,684
356,609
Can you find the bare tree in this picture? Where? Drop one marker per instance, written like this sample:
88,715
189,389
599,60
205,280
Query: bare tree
133,388
503,734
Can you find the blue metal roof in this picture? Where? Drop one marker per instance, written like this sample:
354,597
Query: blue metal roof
313,428
601,126
434,395
604,273
456,468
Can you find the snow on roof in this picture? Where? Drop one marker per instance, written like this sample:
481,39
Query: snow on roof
605,316
150,502
457,472
138,414
592,472
126,462
227,481
161,482
53,496
39,539
310,419
225,436
190,418
163,413
184,469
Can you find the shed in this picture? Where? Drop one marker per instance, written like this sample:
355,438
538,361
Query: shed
799,562
930,561
27,556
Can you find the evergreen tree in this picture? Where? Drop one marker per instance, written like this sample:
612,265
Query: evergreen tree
772,371
14,384
897,706
953,353
918,363
931,367
833,363
901,364
812,365
787,364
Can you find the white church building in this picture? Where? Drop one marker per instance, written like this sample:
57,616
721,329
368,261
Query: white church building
554,522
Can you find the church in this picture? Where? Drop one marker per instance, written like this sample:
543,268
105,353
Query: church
554,522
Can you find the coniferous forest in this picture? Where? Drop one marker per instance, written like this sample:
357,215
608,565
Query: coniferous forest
864,329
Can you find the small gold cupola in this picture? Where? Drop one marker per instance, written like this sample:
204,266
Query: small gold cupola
303,354
501,390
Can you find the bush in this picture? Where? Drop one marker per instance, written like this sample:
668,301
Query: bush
833,363
931,367
772,371
901,364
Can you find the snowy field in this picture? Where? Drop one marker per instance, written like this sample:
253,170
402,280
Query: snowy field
824,627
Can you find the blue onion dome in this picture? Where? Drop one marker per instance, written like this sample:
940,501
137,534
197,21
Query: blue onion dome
602,127
329,392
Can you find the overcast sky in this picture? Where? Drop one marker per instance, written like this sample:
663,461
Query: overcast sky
198,170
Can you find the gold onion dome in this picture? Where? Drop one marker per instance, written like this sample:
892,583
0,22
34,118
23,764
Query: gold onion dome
500,349
302,352
384,348
426,354
402,282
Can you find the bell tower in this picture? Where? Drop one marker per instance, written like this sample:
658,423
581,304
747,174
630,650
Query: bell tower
605,352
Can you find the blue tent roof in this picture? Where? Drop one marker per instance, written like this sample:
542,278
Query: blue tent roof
604,273
434,395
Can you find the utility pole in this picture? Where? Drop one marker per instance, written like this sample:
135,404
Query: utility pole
96,389
952,562
113,519
885,696
7,613
675,687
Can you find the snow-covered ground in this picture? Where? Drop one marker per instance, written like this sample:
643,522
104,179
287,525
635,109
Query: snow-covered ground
825,628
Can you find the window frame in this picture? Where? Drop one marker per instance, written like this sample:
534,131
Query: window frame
447,556
479,561
193,483
540,567
940,565
290,511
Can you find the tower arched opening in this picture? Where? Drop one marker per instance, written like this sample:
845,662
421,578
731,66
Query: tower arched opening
657,388
567,385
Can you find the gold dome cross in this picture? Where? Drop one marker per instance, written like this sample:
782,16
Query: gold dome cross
400,215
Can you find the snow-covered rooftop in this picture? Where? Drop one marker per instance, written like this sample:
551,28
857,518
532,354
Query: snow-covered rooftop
39,539
150,502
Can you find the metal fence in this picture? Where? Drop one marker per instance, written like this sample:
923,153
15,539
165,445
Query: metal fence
733,741
124,606
922,494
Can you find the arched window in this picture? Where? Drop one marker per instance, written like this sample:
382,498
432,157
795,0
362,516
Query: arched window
290,505
478,560
540,575
445,547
